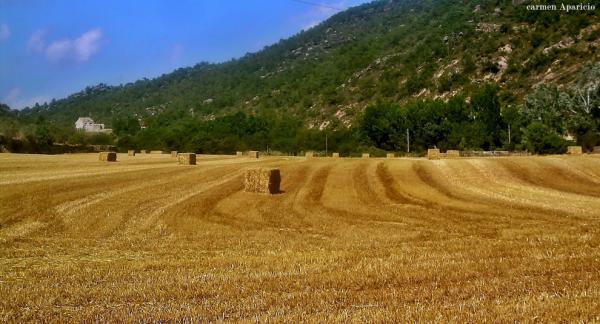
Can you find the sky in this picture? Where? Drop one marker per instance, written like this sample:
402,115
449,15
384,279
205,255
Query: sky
53,48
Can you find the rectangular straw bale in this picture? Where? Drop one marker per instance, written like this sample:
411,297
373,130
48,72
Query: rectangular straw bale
131,152
366,155
262,180
239,153
187,158
433,154
453,154
390,155
156,152
596,150
108,156
144,151
310,154
574,150
335,155
253,154
174,153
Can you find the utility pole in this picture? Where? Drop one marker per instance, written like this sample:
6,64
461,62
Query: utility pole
407,141
508,133
325,144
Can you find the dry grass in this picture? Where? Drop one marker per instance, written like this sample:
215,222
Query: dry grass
466,240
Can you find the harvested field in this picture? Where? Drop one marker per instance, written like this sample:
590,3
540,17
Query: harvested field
394,240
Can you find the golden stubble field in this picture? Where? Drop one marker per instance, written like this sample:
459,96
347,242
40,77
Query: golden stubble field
497,239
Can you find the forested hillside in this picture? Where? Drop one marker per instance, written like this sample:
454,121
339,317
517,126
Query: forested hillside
457,74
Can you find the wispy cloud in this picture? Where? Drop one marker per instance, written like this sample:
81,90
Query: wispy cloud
15,101
4,32
81,49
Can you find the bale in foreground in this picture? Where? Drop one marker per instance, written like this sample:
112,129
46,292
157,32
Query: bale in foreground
187,158
433,154
453,154
574,150
108,156
131,152
262,180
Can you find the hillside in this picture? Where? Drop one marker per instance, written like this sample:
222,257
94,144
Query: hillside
382,51
397,52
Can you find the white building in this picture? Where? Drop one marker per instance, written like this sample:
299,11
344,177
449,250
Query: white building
87,124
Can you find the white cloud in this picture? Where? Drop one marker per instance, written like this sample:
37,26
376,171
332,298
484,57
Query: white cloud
36,41
87,44
58,50
4,32
13,99
80,49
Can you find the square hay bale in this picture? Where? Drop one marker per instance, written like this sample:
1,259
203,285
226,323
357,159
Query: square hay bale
253,154
310,154
596,150
262,180
433,154
108,156
239,153
366,155
574,150
390,155
131,152
174,153
335,155
144,151
156,152
187,158
453,154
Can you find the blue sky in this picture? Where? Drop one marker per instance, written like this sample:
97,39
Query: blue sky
52,48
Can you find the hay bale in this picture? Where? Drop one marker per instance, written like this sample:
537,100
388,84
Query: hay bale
453,154
390,155
144,151
310,154
596,150
366,155
574,150
174,153
156,152
253,154
239,153
108,156
335,155
187,158
131,152
262,180
433,154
